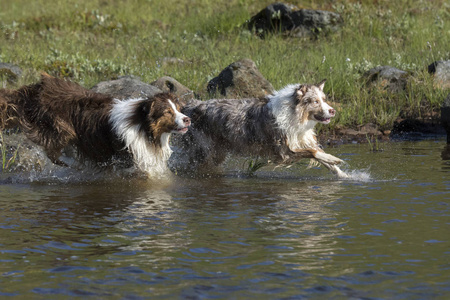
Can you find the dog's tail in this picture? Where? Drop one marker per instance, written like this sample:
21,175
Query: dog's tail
13,102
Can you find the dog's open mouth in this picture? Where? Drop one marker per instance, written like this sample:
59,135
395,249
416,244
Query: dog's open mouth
322,119
181,130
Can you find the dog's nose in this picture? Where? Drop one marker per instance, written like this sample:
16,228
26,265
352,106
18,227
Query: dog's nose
332,111
187,121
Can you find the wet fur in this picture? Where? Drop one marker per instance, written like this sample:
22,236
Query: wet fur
279,127
8,113
55,113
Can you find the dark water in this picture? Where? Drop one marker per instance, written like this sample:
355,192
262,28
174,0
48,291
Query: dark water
296,234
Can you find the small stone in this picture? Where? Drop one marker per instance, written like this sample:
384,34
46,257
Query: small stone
441,72
389,78
10,72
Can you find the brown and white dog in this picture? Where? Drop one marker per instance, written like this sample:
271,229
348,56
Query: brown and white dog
56,113
279,127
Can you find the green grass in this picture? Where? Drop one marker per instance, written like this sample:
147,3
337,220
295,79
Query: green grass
9,156
374,143
91,41
252,165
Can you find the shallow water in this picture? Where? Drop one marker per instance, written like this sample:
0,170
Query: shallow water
291,234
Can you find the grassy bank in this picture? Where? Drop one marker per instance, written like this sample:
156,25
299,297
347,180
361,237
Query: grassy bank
91,41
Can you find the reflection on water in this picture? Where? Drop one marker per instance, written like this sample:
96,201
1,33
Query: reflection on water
293,233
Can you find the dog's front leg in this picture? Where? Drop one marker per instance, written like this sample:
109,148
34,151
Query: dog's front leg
336,171
325,158
298,154
318,154
328,160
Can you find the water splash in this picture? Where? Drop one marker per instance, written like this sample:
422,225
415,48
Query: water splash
359,175
48,173
33,166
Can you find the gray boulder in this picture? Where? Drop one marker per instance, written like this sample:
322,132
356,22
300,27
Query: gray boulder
10,72
168,84
241,79
389,78
286,19
309,22
441,72
445,116
126,87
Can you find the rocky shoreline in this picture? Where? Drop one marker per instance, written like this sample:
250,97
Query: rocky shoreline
404,129
242,79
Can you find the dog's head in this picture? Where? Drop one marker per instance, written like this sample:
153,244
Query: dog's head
151,117
164,116
311,105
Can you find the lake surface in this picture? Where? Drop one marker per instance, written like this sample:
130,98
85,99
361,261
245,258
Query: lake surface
284,234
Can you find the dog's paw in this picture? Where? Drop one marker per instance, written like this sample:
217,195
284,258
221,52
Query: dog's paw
336,171
328,158
339,173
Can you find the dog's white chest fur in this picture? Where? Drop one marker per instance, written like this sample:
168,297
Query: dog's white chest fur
299,135
148,157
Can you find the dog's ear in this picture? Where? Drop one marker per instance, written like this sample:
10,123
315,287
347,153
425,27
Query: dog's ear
301,91
144,110
321,84
146,107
